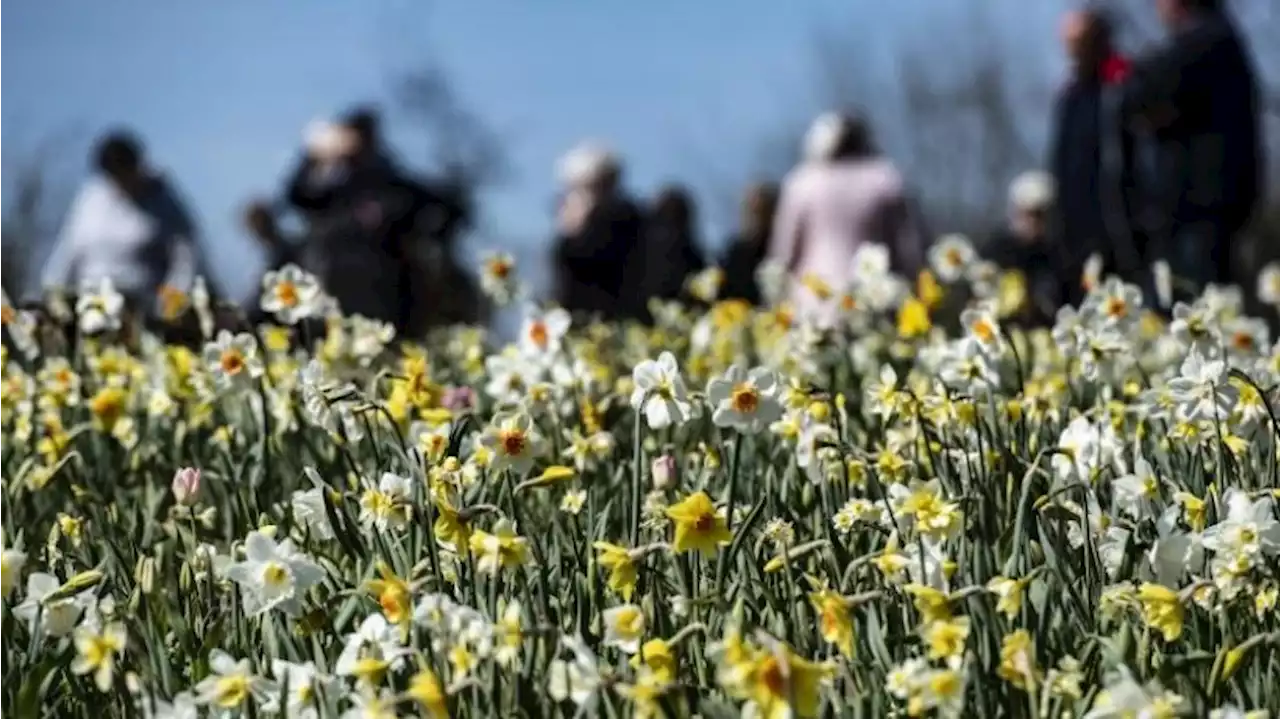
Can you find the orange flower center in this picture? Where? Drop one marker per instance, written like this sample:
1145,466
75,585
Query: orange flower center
538,334
232,362
705,522
499,269
1116,307
953,256
1242,341
513,442
287,293
771,677
745,399
983,329
7,314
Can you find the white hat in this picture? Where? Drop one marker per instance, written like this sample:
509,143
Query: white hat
824,136
328,139
586,163
1032,190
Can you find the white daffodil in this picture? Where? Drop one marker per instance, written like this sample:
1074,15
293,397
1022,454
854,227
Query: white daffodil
96,652
967,369
21,326
659,392
1175,551
1086,448
983,329
231,686
1115,305
542,332
290,294
99,310
498,278
1138,494
309,512
372,649
182,706
951,256
367,338
273,575
576,680
510,376
1249,528
1200,388
1124,697
386,505
11,563
57,618
624,627
233,359
514,442
745,401
1269,284
303,683
370,703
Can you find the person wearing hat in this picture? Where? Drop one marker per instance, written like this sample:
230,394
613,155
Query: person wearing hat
843,195
598,230
1024,246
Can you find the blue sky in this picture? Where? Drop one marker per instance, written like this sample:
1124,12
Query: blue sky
221,90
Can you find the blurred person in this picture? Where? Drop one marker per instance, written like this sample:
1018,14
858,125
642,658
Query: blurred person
362,215
668,254
1024,245
127,225
1092,157
844,195
1198,95
599,228
748,247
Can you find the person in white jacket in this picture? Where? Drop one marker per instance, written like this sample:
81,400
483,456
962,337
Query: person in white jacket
126,226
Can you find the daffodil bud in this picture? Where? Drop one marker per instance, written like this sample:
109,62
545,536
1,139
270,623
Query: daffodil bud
144,573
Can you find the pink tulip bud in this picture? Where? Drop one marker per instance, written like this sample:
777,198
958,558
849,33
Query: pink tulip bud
459,398
186,485
664,471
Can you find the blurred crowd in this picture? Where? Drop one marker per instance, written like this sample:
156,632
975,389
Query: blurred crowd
1154,168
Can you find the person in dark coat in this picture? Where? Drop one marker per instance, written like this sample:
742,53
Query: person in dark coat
362,212
1024,246
669,253
749,246
599,230
1198,95
1092,159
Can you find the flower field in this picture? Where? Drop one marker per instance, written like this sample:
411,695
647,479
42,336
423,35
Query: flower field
926,509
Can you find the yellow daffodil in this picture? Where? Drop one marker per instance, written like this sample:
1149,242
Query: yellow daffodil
622,568
1162,610
699,527
392,593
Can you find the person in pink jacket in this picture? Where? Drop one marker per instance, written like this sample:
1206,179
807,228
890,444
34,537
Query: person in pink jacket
843,195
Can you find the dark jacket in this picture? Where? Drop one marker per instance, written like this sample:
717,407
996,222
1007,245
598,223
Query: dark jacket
665,260
742,257
1093,164
1198,95
360,220
591,264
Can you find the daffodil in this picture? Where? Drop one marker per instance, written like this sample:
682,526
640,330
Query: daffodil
231,685
393,594
501,549
1162,610
425,689
781,684
624,627
658,656
1018,660
1009,593
96,652
698,525
622,568
834,620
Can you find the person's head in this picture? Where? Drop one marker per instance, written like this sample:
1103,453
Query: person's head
1086,39
1031,198
759,205
838,136
366,126
1176,13
674,208
261,222
118,156
591,166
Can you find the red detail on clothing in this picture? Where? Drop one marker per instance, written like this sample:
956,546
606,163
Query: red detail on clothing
1114,69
